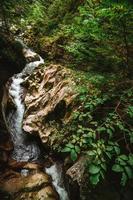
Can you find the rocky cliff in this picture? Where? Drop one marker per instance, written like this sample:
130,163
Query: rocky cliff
50,94
50,104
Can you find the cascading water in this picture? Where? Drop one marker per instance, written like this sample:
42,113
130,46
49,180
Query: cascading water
23,150
28,150
55,171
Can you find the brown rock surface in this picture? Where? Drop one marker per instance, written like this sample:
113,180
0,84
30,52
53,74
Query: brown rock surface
77,171
50,92
46,193
35,185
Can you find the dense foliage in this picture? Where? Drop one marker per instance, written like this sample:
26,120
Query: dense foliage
11,13
101,127
93,33
95,36
102,35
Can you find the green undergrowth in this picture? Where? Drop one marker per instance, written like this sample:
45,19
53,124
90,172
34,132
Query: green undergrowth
101,126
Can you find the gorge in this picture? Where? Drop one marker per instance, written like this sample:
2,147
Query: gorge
39,106
66,100
25,150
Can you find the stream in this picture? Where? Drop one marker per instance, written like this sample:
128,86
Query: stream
25,149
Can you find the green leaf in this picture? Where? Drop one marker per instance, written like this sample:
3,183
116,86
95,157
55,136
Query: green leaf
103,165
123,157
130,161
94,179
73,155
131,138
101,129
108,154
109,131
117,168
121,127
99,151
91,153
80,131
124,179
77,149
70,145
117,150
94,169
66,149
130,111
109,148
112,128
123,163
102,174
129,171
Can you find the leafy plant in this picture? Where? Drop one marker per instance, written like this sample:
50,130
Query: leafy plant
124,165
102,36
97,167
74,150
101,127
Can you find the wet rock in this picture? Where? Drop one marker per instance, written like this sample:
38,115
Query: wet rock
33,166
36,185
13,164
36,181
44,194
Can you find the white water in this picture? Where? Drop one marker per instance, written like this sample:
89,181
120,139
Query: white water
23,151
55,171
29,151
31,65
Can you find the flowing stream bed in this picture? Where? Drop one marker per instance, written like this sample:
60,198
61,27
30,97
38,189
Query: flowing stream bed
25,150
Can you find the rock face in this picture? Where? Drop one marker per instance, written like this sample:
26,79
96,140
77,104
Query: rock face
50,93
49,104
31,183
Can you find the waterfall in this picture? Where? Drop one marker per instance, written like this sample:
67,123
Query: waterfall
55,171
23,150
28,150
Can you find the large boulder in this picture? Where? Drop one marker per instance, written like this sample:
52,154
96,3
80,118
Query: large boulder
50,94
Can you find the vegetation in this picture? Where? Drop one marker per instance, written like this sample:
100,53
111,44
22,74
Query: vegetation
103,36
95,37
101,127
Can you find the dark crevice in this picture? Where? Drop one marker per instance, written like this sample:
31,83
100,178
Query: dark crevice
58,113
